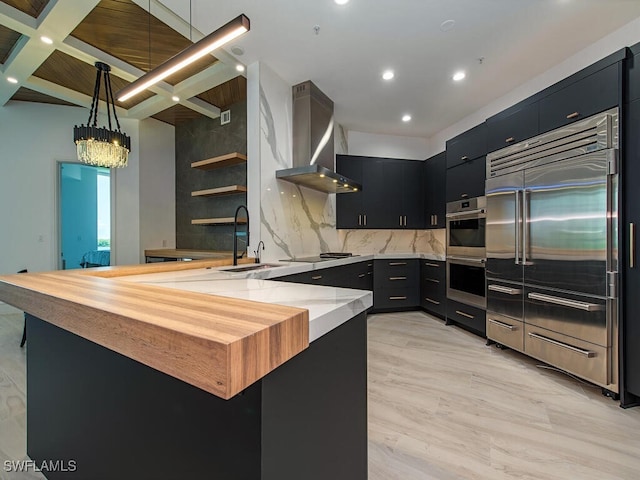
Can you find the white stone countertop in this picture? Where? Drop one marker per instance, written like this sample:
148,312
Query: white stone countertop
328,307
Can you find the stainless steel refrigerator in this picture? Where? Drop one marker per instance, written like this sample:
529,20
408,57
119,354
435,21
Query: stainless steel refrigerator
551,244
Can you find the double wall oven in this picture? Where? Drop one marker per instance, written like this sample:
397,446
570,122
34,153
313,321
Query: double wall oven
466,253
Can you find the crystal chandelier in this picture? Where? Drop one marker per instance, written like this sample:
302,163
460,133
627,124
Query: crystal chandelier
102,146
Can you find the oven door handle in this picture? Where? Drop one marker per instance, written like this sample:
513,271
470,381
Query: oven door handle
467,260
480,212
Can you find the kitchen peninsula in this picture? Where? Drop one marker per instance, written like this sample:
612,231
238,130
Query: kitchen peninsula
191,369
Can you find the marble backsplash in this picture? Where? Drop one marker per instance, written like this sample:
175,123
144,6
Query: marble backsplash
296,221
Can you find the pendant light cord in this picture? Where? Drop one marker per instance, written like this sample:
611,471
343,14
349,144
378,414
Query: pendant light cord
94,102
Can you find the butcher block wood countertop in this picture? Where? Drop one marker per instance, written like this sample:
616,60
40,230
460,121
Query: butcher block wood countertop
219,344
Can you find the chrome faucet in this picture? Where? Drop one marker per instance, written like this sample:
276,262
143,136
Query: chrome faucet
236,234
257,251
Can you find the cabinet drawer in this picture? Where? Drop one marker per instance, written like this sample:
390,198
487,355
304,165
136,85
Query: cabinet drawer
505,331
467,146
396,273
433,269
593,94
433,303
575,356
512,126
467,315
505,299
395,298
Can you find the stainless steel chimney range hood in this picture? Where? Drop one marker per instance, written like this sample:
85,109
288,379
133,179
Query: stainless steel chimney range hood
313,154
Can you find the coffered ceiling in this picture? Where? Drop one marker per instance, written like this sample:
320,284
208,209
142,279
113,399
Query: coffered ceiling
122,34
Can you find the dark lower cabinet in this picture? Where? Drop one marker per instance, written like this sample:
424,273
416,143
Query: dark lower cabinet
467,316
354,275
466,180
396,284
433,287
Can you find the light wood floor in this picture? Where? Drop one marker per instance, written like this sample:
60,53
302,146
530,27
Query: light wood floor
442,406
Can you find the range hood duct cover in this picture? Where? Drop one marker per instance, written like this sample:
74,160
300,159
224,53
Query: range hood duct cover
313,152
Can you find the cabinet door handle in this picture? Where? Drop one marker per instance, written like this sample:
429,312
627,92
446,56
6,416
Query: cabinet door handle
465,314
431,301
464,158
400,217
502,325
397,298
432,280
365,220
427,264
395,264
359,219
435,220
464,195
507,290
361,275
572,115
405,220
565,302
397,278
586,353
317,277
509,140
632,245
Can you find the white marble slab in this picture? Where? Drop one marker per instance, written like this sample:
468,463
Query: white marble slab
328,307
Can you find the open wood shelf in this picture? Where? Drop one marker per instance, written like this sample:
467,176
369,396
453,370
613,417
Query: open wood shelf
220,161
226,190
216,221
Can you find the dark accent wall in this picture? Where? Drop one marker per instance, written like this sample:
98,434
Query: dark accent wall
198,140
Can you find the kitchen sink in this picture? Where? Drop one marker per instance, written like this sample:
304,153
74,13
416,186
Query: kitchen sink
249,268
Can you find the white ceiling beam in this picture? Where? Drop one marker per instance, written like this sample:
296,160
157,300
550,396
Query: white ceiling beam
63,93
56,22
200,106
17,21
210,77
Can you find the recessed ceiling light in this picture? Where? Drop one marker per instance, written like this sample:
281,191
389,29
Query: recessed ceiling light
388,74
237,50
46,40
12,80
240,68
175,98
406,118
447,25
341,2
459,76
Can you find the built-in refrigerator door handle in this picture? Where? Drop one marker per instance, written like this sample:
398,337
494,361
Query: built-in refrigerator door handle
517,228
632,245
525,226
507,290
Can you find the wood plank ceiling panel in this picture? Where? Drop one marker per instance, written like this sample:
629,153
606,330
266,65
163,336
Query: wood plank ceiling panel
30,7
72,73
27,95
8,39
124,30
226,94
177,114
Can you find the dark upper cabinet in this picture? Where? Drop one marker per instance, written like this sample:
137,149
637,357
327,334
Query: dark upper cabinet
412,194
633,74
466,180
581,99
467,146
391,195
631,274
512,125
349,205
435,202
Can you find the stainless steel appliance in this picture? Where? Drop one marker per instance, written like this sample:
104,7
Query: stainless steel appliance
552,265
466,251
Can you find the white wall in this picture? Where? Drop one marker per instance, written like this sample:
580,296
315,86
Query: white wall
33,138
157,185
625,36
388,146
